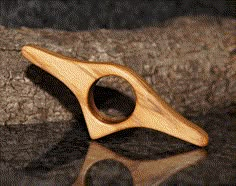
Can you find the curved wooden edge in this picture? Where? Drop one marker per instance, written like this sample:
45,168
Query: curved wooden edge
142,171
150,110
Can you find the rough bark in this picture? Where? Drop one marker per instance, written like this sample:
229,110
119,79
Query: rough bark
189,61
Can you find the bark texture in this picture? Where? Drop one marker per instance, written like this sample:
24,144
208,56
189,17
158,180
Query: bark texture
189,61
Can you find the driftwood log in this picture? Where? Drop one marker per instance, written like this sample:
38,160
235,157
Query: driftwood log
189,61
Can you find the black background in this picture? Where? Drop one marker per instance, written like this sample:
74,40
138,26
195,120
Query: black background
77,15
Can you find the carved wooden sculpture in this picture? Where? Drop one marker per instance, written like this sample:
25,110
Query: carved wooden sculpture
150,110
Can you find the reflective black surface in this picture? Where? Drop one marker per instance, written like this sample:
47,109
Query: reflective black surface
60,154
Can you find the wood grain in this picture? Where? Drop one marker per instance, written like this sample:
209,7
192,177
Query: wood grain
150,110
190,62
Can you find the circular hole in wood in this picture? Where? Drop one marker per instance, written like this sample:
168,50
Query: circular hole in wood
112,99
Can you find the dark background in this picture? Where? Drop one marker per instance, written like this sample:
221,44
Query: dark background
77,15
63,158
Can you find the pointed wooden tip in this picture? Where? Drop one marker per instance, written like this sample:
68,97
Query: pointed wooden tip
150,110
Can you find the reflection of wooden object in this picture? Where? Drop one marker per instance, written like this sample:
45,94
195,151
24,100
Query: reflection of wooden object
150,110
143,172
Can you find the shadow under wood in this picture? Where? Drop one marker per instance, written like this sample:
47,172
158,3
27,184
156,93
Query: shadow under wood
107,100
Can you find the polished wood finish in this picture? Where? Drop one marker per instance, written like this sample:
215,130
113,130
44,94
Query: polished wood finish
150,110
143,172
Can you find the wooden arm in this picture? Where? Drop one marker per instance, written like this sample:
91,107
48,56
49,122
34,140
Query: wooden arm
150,110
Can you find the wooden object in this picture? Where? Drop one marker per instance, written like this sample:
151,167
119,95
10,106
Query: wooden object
143,172
150,110
190,62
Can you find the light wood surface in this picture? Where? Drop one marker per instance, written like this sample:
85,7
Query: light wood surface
150,110
143,172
